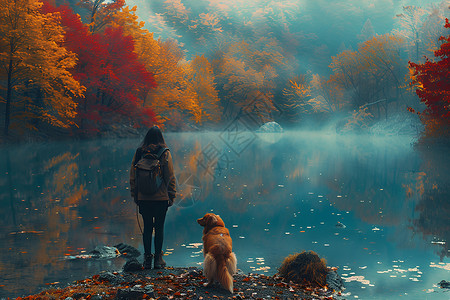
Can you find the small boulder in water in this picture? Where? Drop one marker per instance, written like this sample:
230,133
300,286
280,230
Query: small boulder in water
340,225
444,284
127,250
270,127
104,252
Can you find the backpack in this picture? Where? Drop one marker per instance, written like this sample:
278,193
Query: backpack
149,173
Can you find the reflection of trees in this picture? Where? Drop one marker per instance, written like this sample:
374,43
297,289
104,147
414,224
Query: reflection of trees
434,192
63,198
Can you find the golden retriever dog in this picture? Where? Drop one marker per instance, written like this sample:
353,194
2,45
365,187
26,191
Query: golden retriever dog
220,262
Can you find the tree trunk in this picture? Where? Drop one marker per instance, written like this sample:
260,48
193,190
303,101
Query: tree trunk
8,96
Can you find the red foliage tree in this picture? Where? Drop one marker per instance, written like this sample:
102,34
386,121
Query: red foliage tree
108,66
432,81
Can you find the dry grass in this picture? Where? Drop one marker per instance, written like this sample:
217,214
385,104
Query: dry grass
304,268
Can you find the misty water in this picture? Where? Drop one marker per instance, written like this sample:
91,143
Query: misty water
277,193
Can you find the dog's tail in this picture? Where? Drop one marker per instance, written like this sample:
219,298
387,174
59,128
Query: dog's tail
232,264
225,271
223,276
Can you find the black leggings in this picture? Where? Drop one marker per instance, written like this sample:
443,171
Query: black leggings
154,215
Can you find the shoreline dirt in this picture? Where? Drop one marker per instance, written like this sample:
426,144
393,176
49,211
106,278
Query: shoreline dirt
182,283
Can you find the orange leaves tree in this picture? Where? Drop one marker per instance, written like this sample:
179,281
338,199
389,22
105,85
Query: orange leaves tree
432,82
247,76
35,67
295,99
202,81
185,88
372,73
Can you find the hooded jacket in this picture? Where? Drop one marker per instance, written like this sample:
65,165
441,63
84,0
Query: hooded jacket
167,190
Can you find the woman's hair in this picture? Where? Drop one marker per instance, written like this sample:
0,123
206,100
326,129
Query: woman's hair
153,138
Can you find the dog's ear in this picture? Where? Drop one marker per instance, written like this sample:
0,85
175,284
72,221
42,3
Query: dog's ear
212,220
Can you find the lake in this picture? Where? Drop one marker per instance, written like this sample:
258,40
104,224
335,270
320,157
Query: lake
375,207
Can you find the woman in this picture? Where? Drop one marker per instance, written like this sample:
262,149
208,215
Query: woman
153,208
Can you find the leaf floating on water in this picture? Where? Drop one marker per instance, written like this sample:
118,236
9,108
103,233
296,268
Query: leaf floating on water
441,265
26,232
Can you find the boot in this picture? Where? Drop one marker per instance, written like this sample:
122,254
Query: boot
148,261
159,261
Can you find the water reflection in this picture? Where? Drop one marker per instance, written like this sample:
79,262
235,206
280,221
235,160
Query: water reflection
433,189
277,196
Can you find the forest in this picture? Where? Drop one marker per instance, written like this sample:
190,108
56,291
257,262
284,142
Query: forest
83,68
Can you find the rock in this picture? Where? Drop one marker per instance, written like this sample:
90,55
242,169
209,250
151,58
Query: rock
104,252
444,284
127,250
195,272
304,267
270,132
96,297
270,127
69,298
334,281
135,292
132,265
107,276
340,225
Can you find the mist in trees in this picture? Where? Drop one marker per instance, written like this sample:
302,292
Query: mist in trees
189,65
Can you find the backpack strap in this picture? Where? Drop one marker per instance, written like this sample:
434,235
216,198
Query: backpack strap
161,152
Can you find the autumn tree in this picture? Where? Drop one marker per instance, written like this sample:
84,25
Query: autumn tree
116,81
247,78
372,73
330,91
176,96
420,29
202,82
163,59
295,100
36,66
432,82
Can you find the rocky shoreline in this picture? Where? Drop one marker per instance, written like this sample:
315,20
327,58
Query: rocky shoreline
185,283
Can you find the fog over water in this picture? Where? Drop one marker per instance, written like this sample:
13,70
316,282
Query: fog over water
345,178
277,193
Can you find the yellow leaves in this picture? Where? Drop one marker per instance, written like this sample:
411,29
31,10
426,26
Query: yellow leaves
30,43
299,89
202,82
360,119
